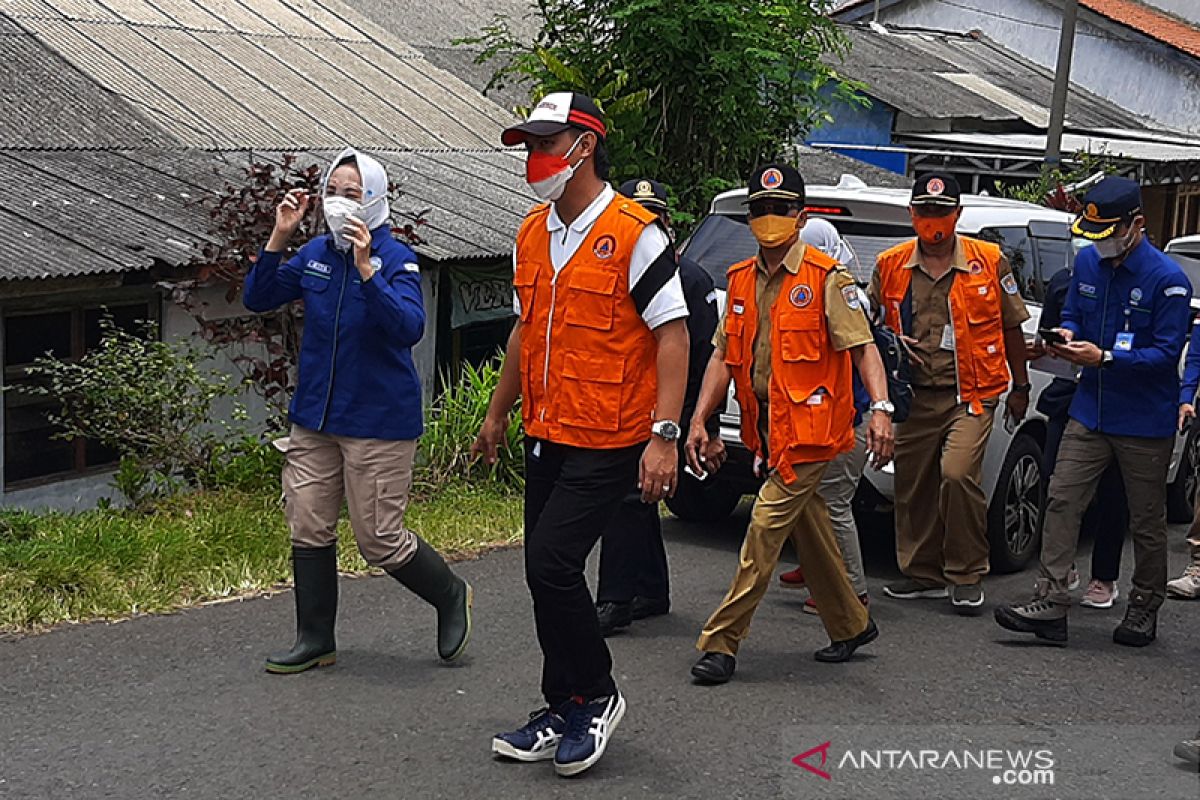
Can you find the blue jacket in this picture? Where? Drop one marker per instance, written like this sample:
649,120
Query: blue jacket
1191,370
357,376
1147,295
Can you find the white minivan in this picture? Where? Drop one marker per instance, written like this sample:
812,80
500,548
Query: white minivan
1037,241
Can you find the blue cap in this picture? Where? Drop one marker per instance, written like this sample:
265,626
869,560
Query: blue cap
1106,205
647,193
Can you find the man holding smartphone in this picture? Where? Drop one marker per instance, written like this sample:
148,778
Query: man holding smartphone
1124,322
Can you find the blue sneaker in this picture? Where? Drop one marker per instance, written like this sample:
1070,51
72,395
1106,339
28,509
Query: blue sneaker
536,741
589,727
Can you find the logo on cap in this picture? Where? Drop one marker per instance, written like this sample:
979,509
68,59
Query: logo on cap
644,188
935,186
772,178
801,296
605,247
1091,212
548,104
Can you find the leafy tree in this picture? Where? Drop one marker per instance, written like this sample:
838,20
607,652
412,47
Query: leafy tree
1051,187
698,92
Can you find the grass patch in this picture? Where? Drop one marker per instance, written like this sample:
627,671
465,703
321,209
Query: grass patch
111,564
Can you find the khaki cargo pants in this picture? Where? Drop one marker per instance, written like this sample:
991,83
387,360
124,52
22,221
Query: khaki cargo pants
372,475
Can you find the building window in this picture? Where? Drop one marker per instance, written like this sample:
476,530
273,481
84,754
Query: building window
31,451
1186,217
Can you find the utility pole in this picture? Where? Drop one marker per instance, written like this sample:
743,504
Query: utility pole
1062,81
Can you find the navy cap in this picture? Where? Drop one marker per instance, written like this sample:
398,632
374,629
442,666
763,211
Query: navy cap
647,193
1107,204
777,181
936,189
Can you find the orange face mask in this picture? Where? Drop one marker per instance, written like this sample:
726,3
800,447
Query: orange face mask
772,230
934,230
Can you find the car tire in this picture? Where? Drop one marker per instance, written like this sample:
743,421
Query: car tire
1018,507
706,501
1181,493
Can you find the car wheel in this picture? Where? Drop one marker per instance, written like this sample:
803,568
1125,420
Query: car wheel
1181,494
706,501
1018,507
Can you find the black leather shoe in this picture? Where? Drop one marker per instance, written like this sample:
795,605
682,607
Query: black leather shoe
837,652
714,668
613,617
643,607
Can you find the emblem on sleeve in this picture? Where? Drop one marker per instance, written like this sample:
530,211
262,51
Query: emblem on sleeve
1009,283
850,293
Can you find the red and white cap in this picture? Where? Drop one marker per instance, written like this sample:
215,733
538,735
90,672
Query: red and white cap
553,114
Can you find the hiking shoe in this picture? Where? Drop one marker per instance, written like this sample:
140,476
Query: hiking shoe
1189,750
536,740
1100,594
1139,628
967,599
613,617
810,605
590,725
793,579
1039,616
1187,585
908,589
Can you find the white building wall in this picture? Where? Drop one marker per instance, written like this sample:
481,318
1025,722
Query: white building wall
1141,75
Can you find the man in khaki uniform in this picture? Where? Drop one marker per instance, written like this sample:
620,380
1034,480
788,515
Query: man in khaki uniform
793,327
958,306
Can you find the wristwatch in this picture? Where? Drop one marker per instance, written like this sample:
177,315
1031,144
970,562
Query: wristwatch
886,406
1106,359
1022,388
665,429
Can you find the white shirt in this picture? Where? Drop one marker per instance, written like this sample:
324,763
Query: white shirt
668,302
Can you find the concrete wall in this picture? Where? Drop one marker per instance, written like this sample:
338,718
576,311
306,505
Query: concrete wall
1188,9
1138,73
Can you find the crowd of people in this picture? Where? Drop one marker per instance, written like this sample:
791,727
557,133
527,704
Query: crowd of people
622,360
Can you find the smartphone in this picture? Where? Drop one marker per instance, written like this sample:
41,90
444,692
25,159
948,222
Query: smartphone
1051,336
702,476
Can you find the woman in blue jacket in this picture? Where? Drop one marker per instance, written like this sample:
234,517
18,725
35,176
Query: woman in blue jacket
1187,585
356,412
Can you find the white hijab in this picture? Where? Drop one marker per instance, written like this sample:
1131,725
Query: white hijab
374,186
821,234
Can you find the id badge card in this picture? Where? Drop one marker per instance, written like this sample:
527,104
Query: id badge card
947,338
1124,342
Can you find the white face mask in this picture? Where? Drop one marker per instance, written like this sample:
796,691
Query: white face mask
548,175
337,210
1114,247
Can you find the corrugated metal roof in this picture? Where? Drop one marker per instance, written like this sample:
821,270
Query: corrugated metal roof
968,80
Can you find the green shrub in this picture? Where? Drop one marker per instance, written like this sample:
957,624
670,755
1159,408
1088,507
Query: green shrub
451,425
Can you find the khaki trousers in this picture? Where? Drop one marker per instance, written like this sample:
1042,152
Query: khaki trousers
941,509
373,476
780,511
1083,457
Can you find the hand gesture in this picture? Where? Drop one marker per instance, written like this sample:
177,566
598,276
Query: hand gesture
290,213
359,236
487,443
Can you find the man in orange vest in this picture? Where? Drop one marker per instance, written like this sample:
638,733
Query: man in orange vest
793,327
595,357
958,306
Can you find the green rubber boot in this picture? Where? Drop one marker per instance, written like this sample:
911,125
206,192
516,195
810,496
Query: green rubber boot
315,571
427,576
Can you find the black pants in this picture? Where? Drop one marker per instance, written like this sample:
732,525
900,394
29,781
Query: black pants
1108,515
633,559
571,494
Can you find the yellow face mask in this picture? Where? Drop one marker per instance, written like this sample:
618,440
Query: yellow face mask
772,230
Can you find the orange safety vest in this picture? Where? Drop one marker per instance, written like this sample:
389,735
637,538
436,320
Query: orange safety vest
975,311
588,359
811,396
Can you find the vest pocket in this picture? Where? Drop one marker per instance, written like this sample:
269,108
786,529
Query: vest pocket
523,283
812,416
314,283
800,336
590,298
735,328
590,394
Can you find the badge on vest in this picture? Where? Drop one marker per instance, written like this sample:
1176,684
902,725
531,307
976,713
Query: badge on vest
1087,290
947,338
605,247
1009,284
976,266
738,308
850,293
801,296
1135,295
1124,342
317,269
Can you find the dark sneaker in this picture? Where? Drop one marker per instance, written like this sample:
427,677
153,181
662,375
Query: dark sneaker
537,740
613,617
968,599
842,651
589,728
1039,616
643,607
714,668
1189,750
1139,628
908,589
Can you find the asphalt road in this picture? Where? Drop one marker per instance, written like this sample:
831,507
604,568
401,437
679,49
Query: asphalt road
178,706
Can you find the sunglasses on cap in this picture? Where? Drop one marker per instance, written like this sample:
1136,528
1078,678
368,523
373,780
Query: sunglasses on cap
780,208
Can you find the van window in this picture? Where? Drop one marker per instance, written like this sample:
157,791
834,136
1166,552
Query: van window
1017,245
